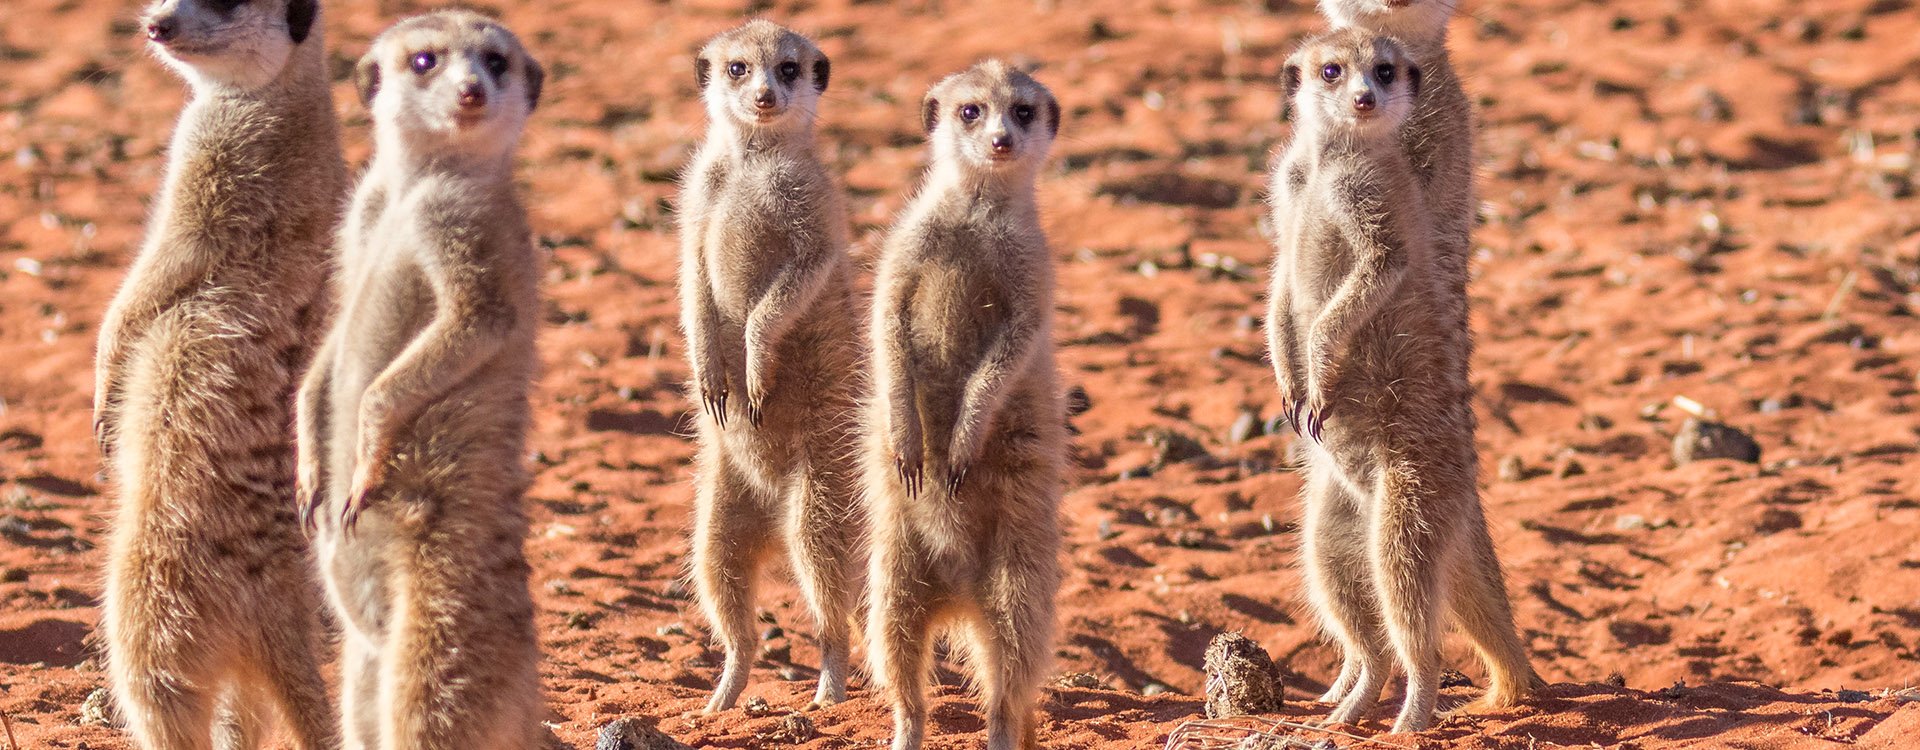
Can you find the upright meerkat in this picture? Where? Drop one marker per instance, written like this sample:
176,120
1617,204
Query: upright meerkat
773,340
413,419
1438,134
1372,364
210,602
967,396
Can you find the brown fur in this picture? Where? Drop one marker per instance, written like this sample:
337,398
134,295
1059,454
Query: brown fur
772,336
1369,338
210,600
413,419
967,397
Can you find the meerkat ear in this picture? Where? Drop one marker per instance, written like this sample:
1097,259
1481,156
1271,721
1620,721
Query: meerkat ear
930,114
1413,78
1053,117
536,77
300,15
366,77
822,69
1290,79
702,71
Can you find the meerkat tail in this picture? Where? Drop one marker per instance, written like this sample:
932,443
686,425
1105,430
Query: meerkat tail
1480,606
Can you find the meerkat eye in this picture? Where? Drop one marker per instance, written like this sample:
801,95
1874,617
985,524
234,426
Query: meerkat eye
1023,114
1384,72
1330,72
736,69
496,64
789,71
423,62
969,112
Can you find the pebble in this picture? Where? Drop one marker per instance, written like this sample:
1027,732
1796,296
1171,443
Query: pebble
1700,440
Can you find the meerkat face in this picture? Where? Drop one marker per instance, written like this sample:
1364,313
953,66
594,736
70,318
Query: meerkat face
453,77
991,117
1411,19
762,76
1352,79
233,43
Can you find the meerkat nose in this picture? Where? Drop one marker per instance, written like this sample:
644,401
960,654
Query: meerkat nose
472,95
764,99
1364,101
162,29
1002,143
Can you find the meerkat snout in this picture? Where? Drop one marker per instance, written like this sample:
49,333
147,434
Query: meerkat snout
762,76
233,43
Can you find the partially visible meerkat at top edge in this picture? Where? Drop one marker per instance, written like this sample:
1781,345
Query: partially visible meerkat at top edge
414,417
773,340
210,604
1372,365
967,444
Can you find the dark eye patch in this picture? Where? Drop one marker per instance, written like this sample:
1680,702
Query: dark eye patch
496,63
1384,73
1023,114
227,6
789,71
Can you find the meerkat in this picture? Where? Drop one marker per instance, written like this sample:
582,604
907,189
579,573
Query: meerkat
964,461
1372,367
773,341
412,422
1438,134
210,608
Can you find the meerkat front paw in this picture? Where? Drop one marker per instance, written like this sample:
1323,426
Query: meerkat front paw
713,396
307,491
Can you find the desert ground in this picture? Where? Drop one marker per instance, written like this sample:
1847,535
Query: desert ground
1706,199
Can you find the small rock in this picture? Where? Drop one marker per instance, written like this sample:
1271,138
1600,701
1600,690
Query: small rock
1630,522
1241,678
794,729
1081,681
772,633
1512,469
633,734
1853,696
1568,467
672,628
1616,679
1700,440
757,706
1172,446
1245,427
1155,688
97,710
1137,472
1453,678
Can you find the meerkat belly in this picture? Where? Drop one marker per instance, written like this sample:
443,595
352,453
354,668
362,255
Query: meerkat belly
951,322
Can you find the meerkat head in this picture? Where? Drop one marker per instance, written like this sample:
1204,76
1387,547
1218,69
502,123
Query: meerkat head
1352,80
761,77
241,44
1408,19
992,118
450,79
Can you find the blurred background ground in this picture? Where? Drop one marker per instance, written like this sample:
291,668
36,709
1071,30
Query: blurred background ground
1700,198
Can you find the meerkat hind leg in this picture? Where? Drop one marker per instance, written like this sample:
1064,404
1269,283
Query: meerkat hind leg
1410,566
900,637
291,680
359,694
242,718
730,543
1010,648
161,715
1340,584
825,564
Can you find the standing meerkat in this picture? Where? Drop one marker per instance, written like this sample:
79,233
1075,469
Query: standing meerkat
413,420
1372,364
211,606
1438,134
968,437
773,340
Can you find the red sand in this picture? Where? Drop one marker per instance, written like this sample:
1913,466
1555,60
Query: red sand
1704,199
